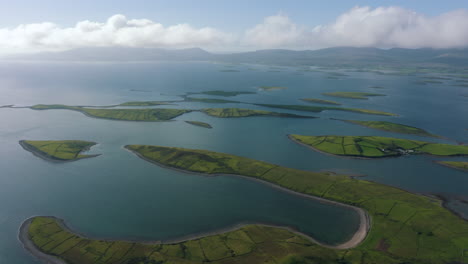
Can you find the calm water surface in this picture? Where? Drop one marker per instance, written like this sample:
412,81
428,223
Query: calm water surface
118,195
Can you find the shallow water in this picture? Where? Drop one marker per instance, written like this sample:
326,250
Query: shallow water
118,195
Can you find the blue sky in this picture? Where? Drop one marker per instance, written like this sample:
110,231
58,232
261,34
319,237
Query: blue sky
233,15
46,25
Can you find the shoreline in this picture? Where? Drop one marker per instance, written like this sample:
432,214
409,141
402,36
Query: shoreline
49,158
357,238
29,246
449,166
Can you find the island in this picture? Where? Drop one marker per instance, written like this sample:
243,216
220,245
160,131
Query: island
377,147
210,100
58,150
241,112
390,127
320,101
224,93
353,95
144,103
200,124
272,88
318,109
405,227
148,115
460,165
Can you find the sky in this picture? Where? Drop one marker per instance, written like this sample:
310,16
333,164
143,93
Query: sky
223,26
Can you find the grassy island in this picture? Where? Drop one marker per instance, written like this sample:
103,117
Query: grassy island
224,93
58,150
317,109
320,101
272,88
144,103
405,227
153,114
240,112
209,100
200,124
377,147
461,165
353,95
391,127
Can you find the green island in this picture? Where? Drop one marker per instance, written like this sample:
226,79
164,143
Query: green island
461,165
150,115
58,150
353,95
240,112
144,103
404,227
377,147
224,93
209,100
320,101
272,88
391,127
200,124
318,109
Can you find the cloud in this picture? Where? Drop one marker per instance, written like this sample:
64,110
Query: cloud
116,31
383,27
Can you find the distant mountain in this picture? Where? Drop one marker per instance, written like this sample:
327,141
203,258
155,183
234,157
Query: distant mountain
340,56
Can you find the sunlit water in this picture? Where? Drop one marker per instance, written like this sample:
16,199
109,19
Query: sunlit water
118,195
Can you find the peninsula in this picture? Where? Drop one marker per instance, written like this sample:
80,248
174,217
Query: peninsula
377,147
460,165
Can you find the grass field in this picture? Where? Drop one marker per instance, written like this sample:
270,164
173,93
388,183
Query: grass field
378,147
461,165
353,95
317,109
240,112
152,114
320,101
58,150
392,127
200,124
406,228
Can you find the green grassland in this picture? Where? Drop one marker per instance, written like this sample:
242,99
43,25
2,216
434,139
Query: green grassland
391,127
144,103
461,165
317,109
240,112
272,88
320,101
153,114
58,150
224,93
406,227
353,95
378,147
200,124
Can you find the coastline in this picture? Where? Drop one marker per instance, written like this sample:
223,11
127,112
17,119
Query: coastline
49,158
29,246
450,166
358,237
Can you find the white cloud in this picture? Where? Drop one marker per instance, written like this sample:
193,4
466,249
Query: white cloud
358,27
116,31
365,27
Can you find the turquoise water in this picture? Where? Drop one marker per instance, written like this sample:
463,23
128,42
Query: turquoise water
118,195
